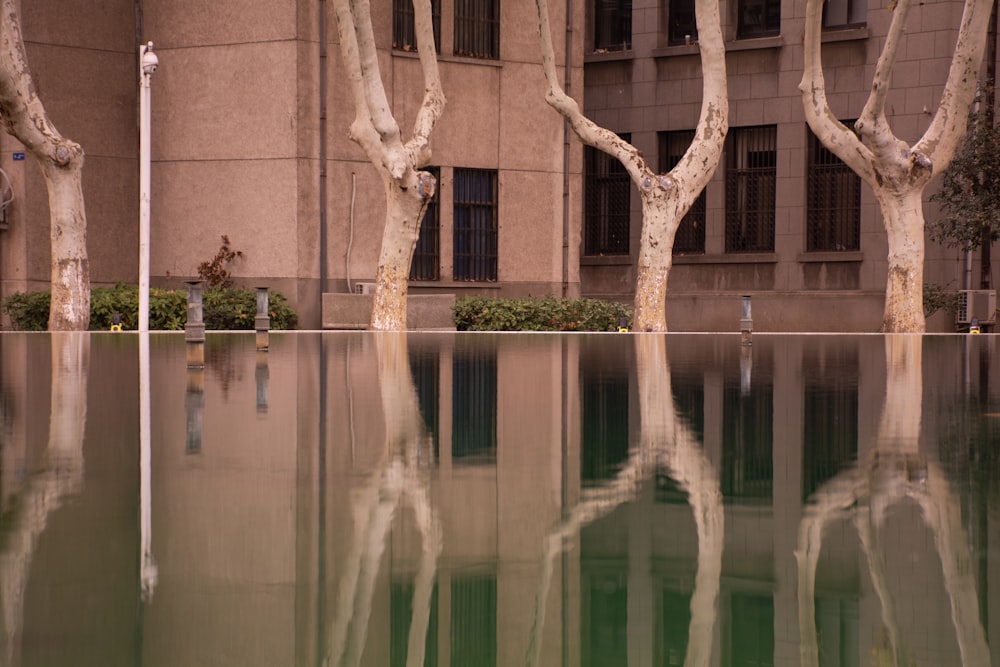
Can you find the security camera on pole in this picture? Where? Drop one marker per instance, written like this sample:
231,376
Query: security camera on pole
147,65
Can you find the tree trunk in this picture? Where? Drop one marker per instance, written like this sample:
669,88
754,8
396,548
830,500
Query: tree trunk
659,226
61,162
903,215
404,210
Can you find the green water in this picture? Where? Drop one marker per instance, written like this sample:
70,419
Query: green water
471,499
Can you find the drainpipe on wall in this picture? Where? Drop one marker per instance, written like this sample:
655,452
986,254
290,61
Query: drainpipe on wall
322,154
566,151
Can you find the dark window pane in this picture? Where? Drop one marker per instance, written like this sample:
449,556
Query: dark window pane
690,238
682,25
474,405
833,201
612,25
606,218
830,429
477,28
476,240
426,263
747,443
474,621
758,18
751,635
605,423
751,178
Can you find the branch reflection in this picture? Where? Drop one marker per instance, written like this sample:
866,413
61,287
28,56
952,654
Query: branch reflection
895,470
397,477
666,443
60,476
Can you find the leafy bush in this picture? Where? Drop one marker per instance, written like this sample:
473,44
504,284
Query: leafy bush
539,314
227,308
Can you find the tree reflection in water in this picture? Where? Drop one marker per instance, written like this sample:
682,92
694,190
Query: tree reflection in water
59,476
397,476
667,443
894,471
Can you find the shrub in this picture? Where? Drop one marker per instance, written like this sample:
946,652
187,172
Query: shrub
226,308
539,314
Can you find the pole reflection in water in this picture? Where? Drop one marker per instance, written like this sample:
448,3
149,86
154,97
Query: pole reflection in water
895,470
147,565
398,475
60,475
666,443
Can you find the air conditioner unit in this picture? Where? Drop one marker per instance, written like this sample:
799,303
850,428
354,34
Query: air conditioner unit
978,303
364,288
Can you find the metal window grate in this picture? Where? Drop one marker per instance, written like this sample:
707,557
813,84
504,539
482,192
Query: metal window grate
612,25
475,243
474,620
747,443
477,28
833,202
758,18
690,237
751,174
426,264
404,36
606,202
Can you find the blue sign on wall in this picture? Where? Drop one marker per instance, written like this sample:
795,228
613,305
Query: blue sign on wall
18,155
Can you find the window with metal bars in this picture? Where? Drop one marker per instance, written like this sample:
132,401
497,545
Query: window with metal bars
612,25
404,36
427,383
833,201
474,406
748,442
426,264
606,203
475,208
830,415
474,620
681,26
690,237
758,18
604,449
751,175
477,28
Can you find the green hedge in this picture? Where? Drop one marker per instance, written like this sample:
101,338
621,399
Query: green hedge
539,314
223,309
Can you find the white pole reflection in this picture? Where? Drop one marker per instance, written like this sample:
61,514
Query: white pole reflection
398,476
895,470
666,443
147,564
60,476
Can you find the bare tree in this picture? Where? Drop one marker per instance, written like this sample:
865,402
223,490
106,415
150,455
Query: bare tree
665,197
896,172
61,162
407,189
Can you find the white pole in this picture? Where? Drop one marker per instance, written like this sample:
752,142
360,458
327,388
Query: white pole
147,65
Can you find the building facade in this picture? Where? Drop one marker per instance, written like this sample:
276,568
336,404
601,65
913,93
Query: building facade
250,117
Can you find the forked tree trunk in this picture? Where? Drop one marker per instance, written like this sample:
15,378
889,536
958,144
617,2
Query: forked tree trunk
665,197
61,162
408,190
897,172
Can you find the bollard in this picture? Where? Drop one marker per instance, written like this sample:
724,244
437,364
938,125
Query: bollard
746,322
262,322
194,328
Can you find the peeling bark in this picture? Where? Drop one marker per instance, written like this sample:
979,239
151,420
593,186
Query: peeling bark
897,172
408,190
61,161
665,197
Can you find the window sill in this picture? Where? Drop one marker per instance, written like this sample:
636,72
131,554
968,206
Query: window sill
605,260
608,56
754,43
486,62
677,50
845,34
832,256
728,258
455,284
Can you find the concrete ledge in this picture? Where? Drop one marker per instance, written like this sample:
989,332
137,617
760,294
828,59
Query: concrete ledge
423,311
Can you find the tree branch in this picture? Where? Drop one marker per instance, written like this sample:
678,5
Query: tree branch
434,100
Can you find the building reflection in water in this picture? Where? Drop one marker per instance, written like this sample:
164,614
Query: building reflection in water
452,499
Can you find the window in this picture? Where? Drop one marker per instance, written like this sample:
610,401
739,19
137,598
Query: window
833,201
747,443
477,28
475,243
758,18
404,35
682,27
427,383
690,238
604,394
751,172
474,406
474,620
749,639
426,264
830,415
844,13
606,218
612,25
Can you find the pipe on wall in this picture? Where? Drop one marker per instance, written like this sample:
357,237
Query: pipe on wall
323,260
